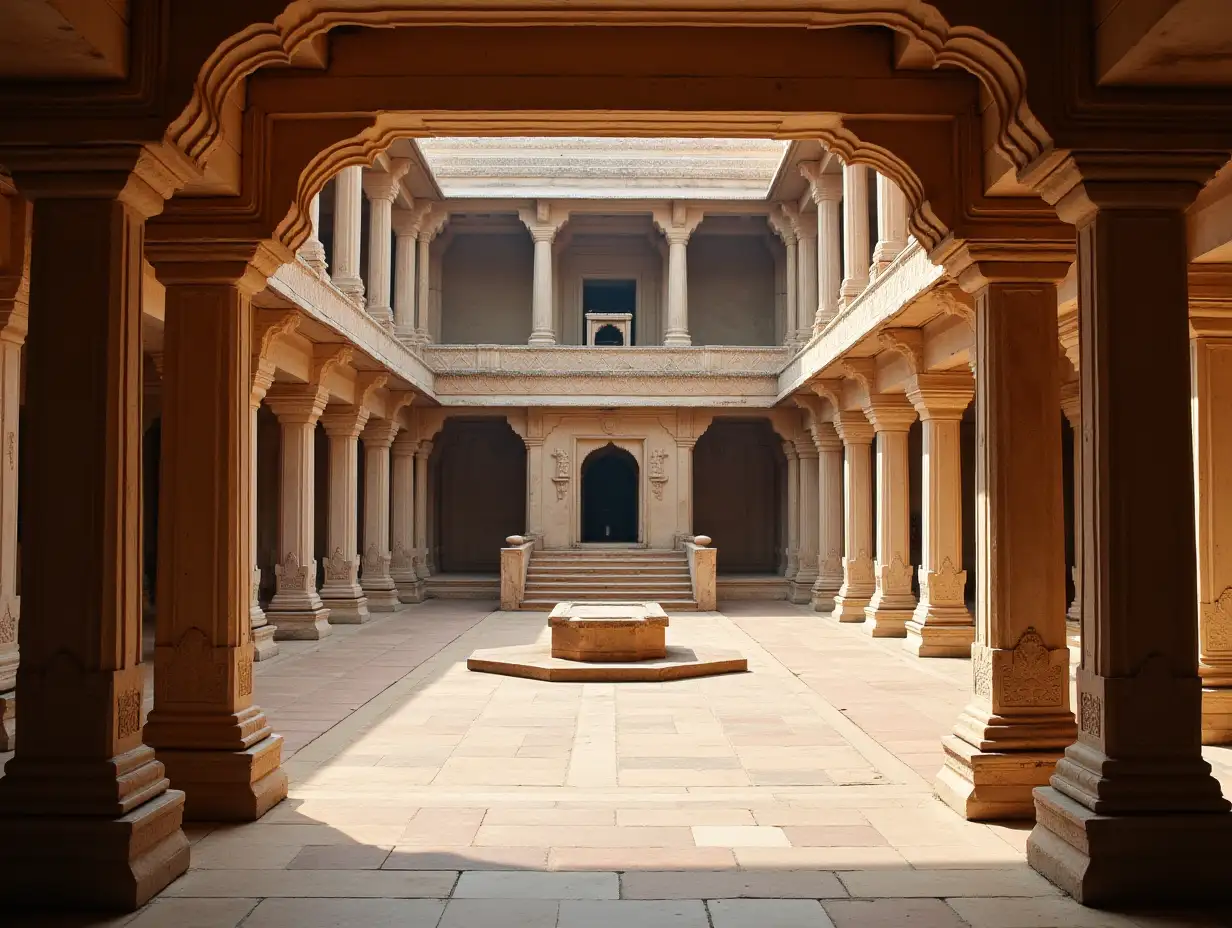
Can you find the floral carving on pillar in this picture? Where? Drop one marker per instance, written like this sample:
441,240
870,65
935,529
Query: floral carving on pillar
1031,675
562,476
895,577
292,575
128,713
401,557
244,676
981,672
658,476
375,562
1090,714
196,671
860,569
946,585
8,624
339,569
1215,628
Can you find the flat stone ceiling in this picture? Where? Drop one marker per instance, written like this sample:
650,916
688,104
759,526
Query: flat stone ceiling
719,169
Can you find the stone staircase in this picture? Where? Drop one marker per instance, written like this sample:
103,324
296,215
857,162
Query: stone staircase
609,574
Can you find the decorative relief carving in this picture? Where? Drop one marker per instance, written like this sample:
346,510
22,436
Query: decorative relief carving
1090,714
10,447
1029,675
401,558
894,577
1215,628
562,476
244,676
860,570
339,569
8,625
128,713
981,672
944,585
192,672
601,384
375,561
832,565
609,425
657,475
294,576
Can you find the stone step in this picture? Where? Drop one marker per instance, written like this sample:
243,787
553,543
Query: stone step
548,604
611,561
676,576
613,585
599,592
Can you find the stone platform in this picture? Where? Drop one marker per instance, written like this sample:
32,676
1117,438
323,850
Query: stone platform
606,643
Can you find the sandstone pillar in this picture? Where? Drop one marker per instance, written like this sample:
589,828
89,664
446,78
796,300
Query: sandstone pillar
296,606
893,603
375,580
826,191
1133,811
806,289
859,579
382,190
534,489
85,810
793,513
677,226
424,297
348,215
684,484
14,320
942,625
891,223
402,519
806,495
341,591
543,224
781,223
263,644
313,251
1071,406
1211,366
1010,735
215,743
855,231
422,546
830,516
406,234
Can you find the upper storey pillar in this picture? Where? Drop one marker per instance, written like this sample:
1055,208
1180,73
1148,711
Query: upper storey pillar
348,216
543,222
382,188
855,230
826,190
677,226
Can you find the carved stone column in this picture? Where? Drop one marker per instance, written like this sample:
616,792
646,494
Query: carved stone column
806,573
1132,810
297,607
375,580
429,228
422,546
313,251
341,590
263,644
214,742
893,603
942,625
534,487
781,223
14,320
1071,405
830,515
543,224
406,224
855,231
677,226
1210,321
859,579
1008,738
382,190
684,486
891,223
793,513
348,215
402,519
85,809
826,191
806,266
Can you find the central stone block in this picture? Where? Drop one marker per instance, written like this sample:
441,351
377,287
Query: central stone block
608,632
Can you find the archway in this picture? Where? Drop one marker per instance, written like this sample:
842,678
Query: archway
609,496
745,523
480,474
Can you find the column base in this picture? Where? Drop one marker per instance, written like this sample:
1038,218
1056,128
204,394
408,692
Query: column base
411,592
886,621
383,600
351,610
92,862
263,644
939,640
1115,859
823,598
1216,715
849,607
986,786
800,590
229,786
301,626
676,340
541,340
8,721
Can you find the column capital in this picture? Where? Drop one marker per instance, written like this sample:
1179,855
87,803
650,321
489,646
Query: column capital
544,221
405,445
825,437
243,265
805,448
297,403
1081,183
853,427
824,187
379,433
341,421
781,224
1038,261
385,184
432,222
942,395
1210,300
678,222
789,449
407,221
889,412
424,450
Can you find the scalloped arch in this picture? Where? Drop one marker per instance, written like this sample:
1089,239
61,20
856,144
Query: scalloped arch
1020,136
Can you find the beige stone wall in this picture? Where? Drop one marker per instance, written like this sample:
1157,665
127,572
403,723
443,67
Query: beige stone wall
620,257
731,290
486,289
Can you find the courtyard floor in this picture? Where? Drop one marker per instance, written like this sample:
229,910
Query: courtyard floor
798,795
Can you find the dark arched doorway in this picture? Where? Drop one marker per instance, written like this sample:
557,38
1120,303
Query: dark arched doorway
738,496
609,496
